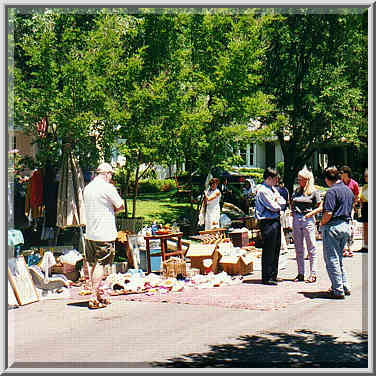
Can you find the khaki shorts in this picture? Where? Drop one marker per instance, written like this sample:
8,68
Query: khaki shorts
101,252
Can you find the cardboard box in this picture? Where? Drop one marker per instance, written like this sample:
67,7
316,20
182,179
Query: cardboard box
199,252
239,239
237,265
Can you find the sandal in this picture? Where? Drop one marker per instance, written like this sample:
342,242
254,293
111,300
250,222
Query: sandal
350,254
312,279
95,304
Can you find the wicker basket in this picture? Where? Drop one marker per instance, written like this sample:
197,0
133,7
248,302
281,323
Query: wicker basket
133,225
174,266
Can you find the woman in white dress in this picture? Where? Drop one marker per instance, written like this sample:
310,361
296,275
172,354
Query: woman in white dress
211,202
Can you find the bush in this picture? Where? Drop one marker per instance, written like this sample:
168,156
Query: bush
255,173
281,169
155,185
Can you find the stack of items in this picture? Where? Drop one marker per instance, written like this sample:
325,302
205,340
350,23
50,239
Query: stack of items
211,238
136,283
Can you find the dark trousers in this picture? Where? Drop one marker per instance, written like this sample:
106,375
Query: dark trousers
271,235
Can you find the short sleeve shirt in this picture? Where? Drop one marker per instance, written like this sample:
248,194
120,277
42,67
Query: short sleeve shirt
302,204
339,201
354,186
100,199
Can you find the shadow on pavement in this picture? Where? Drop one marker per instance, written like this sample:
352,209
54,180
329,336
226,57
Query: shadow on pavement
316,294
304,348
79,304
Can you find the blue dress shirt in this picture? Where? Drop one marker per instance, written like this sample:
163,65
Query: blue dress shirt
268,202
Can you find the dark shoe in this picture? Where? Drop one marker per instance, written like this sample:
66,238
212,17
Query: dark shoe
299,278
363,250
333,295
270,283
347,292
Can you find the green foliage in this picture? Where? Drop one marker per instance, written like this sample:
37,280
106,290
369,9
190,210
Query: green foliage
183,86
281,169
156,185
315,67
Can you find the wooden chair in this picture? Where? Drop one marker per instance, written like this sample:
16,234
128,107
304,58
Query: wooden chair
165,253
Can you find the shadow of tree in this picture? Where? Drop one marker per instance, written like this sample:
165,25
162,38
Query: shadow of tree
302,349
172,213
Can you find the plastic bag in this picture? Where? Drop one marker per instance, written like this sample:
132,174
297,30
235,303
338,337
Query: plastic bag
224,220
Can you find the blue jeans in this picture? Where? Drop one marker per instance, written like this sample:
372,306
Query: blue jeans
335,235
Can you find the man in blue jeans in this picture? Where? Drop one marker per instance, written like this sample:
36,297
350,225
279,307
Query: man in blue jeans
335,228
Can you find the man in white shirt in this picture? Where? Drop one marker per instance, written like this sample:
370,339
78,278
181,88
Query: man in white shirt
102,201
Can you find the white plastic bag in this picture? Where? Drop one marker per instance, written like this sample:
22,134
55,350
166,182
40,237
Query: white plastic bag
224,220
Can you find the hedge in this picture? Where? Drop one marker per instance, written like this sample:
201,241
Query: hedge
156,185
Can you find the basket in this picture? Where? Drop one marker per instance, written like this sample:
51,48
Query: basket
174,266
133,225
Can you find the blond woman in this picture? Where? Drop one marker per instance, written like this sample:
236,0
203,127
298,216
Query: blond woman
305,201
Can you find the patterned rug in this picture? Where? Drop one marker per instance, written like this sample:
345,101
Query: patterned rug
250,294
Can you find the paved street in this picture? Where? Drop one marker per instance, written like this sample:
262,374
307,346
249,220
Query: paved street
316,332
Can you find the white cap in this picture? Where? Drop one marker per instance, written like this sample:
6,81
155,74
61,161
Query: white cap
104,167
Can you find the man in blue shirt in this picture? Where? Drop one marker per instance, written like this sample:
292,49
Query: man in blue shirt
335,227
268,206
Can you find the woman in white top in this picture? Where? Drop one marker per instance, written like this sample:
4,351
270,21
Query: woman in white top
211,202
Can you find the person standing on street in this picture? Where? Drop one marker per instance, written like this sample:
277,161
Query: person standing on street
304,201
364,211
247,193
282,190
353,185
211,202
102,202
335,227
268,207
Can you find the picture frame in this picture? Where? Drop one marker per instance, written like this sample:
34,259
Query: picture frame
21,281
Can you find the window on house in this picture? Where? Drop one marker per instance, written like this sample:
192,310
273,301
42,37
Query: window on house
252,154
243,154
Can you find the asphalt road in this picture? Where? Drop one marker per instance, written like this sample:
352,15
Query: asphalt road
315,333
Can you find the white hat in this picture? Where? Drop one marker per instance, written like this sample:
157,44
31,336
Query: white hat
104,167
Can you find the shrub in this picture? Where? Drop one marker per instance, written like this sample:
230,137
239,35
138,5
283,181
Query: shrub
281,169
155,185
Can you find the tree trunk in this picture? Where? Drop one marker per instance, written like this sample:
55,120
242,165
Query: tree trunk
127,191
136,185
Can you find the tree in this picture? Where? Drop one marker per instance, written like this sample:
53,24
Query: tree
129,60
220,84
50,82
315,69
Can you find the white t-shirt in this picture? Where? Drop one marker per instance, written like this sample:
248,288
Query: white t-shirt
100,199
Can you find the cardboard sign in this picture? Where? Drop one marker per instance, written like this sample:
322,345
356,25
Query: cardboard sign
21,281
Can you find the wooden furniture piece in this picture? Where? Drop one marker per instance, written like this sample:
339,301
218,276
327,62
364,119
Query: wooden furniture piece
214,231
165,253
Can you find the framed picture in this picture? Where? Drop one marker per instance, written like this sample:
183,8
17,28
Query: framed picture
12,301
21,281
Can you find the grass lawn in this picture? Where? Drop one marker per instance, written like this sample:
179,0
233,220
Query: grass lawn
162,207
